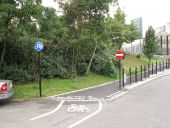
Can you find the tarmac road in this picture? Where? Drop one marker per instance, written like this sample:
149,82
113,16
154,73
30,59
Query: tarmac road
144,107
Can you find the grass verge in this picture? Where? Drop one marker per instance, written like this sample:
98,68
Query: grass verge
133,61
58,86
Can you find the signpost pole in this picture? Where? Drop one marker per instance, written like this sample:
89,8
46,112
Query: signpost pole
39,68
120,74
120,56
38,46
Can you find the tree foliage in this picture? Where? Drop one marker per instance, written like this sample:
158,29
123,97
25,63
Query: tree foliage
76,43
151,45
120,32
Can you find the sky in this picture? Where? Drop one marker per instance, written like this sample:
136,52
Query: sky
153,12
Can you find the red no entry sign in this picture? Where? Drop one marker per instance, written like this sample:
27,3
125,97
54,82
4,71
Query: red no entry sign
119,54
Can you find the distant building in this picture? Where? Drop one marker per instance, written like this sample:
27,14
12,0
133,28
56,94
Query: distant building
133,48
138,22
163,38
163,29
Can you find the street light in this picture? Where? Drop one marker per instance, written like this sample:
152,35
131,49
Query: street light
130,32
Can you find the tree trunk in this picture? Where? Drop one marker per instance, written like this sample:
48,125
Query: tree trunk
73,65
92,57
75,61
149,60
3,54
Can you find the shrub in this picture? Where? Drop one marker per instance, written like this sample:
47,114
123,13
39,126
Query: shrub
16,73
104,66
109,69
81,68
137,56
52,68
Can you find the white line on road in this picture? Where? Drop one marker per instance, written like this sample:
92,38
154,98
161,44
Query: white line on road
87,117
113,94
49,113
117,96
102,99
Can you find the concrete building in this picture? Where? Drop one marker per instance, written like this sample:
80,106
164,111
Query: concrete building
133,48
163,38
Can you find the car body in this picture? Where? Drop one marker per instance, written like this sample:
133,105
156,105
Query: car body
6,89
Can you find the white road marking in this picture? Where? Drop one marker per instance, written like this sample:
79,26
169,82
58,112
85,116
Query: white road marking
116,96
84,100
49,113
113,94
87,117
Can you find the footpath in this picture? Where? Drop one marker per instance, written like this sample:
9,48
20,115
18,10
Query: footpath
110,89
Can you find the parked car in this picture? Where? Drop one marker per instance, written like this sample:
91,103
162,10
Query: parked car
6,89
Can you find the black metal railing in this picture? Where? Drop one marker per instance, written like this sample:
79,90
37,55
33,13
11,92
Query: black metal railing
144,71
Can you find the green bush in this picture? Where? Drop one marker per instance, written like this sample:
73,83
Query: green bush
104,66
16,73
98,64
137,56
81,68
54,68
109,69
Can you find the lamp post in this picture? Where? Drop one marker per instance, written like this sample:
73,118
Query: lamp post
130,32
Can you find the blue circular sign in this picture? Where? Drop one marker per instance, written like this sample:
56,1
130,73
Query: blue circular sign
38,46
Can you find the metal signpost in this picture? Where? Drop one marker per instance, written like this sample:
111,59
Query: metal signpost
38,46
120,55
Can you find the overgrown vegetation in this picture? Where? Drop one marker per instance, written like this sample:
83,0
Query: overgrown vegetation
134,61
77,42
57,86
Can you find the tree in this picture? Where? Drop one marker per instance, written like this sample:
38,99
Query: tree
17,33
151,45
120,32
15,16
85,20
7,12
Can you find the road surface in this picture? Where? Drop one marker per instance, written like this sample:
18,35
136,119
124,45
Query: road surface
147,106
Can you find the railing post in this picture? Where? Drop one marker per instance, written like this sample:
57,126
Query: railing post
136,74
160,69
152,68
163,64
156,67
141,69
123,77
130,74
148,70
144,71
167,63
